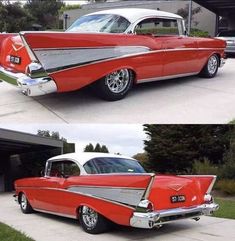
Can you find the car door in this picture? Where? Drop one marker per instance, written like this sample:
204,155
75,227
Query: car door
152,63
180,52
48,190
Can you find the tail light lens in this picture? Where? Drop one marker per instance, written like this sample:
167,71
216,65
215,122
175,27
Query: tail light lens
208,198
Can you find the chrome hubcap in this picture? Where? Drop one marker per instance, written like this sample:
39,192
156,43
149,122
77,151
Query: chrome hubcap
212,65
118,80
89,216
23,201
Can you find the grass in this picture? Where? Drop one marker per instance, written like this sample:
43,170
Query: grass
9,234
232,122
227,208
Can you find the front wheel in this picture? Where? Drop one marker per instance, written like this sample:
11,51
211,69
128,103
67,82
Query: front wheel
25,205
91,221
211,68
115,86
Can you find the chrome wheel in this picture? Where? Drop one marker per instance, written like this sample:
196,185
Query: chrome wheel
23,202
118,81
89,217
212,65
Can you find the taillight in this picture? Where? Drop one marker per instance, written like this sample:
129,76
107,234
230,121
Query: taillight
208,198
146,205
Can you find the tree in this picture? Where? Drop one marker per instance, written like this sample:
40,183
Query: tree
173,148
67,147
89,148
184,12
14,17
46,13
97,148
104,149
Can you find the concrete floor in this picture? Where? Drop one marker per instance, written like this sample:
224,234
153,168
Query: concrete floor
184,100
43,227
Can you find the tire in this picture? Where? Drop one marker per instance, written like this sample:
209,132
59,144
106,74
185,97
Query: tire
115,86
25,205
211,68
91,221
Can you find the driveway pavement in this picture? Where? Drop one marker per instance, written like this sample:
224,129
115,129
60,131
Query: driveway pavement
42,227
184,100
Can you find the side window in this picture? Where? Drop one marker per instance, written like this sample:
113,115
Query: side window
63,169
158,27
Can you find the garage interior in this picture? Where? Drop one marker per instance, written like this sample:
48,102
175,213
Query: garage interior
23,155
225,11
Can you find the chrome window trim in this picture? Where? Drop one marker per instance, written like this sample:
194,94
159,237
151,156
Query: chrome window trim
131,28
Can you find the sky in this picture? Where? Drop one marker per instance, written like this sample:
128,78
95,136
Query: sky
66,1
126,139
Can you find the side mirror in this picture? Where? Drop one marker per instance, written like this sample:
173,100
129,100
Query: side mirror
42,173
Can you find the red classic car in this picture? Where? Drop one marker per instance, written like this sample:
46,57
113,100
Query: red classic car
112,49
99,188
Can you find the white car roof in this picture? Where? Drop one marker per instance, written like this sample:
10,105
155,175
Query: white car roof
83,157
134,14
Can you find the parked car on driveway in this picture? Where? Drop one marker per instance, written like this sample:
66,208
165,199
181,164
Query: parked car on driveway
99,188
229,37
112,49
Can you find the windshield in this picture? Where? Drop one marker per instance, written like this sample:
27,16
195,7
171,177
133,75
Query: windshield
101,23
230,33
112,165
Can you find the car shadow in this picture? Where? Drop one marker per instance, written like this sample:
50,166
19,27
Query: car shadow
86,96
129,233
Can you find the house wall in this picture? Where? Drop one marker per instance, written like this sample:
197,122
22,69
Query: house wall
206,19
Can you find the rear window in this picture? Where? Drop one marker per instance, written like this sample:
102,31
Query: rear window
230,33
112,165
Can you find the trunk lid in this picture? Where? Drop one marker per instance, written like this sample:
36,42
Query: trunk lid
168,192
13,54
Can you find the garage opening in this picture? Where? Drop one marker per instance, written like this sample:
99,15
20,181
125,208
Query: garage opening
224,9
23,155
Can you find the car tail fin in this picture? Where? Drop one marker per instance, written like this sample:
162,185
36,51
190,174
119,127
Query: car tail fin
206,182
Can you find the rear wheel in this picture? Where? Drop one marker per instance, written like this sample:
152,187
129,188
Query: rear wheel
25,205
115,86
91,221
211,68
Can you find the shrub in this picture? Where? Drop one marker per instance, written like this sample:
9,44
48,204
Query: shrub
204,167
226,186
199,33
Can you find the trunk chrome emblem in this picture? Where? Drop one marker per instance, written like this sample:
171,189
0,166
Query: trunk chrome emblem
17,47
176,187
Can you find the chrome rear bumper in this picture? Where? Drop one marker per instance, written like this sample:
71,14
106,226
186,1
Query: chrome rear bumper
152,219
29,86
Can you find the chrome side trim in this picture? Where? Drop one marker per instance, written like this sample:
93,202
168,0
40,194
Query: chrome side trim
57,59
55,213
126,196
30,52
166,77
151,219
82,194
52,71
148,189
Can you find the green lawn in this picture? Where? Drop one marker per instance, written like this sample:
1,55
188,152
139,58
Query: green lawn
226,210
9,234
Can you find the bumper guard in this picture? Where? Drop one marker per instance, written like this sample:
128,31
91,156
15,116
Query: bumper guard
29,86
152,219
